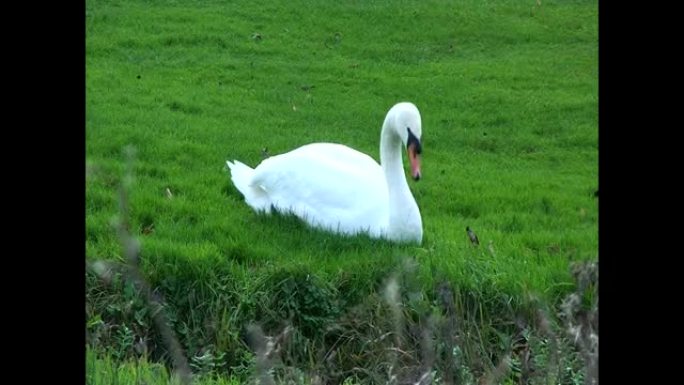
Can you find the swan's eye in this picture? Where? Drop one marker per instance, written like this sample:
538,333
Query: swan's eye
412,139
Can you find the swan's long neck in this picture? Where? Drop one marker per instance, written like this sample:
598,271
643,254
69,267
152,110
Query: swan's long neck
390,159
403,210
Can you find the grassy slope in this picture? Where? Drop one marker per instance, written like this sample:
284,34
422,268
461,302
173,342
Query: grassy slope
508,94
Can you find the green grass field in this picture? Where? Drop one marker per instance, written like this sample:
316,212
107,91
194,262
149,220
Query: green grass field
508,92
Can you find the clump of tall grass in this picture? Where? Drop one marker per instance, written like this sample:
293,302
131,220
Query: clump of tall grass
400,335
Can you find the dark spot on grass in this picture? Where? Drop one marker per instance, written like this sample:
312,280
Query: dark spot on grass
188,109
333,41
497,121
147,229
174,106
553,249
529,149
170,40
545,206
487,145
146,219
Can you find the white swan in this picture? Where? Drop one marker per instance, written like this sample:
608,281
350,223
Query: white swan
339,189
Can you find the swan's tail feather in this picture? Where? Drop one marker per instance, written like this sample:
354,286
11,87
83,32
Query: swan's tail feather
255,196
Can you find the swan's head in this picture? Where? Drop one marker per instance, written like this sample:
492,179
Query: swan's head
408,126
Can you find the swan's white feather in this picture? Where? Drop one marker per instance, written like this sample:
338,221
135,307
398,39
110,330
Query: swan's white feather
340,189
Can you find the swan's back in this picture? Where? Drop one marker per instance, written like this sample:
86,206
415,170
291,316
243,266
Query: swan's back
329,185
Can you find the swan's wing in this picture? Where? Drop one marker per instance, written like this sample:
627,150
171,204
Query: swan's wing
328,185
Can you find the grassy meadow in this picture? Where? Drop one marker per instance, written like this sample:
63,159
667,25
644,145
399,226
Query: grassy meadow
508,93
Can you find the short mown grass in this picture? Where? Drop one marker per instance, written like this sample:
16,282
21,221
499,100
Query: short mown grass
508,93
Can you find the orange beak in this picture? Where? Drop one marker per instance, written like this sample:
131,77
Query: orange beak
414,160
